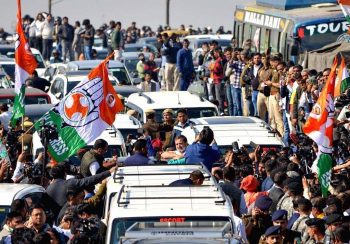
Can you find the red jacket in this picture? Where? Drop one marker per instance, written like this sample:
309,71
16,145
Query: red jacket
218,71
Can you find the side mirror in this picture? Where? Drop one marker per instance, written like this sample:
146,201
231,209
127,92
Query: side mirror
58,95
137,81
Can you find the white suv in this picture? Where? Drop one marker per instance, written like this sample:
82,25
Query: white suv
195,105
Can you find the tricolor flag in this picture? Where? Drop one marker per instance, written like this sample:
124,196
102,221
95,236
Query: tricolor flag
82,115
319,127
345,7
25,66
343,80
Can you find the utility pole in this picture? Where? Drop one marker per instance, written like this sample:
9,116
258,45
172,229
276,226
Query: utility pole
50,6
167,13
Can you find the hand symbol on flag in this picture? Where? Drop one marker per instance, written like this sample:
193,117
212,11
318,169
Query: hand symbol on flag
81,106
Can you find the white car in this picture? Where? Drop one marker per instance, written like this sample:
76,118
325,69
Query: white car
127,124
11,191
116,68
62,84
141,207
246,131
195,105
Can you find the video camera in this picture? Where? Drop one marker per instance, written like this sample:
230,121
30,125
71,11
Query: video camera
343,100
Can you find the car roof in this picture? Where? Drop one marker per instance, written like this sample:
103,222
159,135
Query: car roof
29,91
225,135
229,120
111,135
133,55
168,99
90,64
152,181
12,191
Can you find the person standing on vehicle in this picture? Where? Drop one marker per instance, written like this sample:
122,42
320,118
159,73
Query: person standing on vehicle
66,33
140,66
77,41
184,64
93,160
117,40
47,34
204,150
88,39
170,48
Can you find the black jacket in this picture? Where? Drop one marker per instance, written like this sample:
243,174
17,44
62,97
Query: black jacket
58,189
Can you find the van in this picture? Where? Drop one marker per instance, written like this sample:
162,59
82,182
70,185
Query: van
195,105
141,207
246,131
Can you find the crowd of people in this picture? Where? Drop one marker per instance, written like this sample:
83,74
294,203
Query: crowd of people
275,192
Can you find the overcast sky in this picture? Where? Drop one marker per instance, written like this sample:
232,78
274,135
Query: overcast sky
145,12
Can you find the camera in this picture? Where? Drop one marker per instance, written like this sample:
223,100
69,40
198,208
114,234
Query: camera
235,147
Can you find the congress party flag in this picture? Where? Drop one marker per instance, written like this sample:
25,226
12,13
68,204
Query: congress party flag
342,82
82,115
24,67
319,127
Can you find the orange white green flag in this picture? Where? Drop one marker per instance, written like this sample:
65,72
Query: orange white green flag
345,7
24,67
343,80
319,127
82,115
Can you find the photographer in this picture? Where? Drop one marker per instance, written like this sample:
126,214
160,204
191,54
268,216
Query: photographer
343,118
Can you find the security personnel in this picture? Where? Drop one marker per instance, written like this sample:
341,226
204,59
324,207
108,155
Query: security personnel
279,218
259,220
273,235
152,127
316,230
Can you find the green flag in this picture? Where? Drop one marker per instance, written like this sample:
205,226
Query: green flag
324,172
18,106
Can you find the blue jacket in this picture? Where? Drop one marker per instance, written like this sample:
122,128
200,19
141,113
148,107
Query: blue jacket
136,160
170,51
184,61
202,153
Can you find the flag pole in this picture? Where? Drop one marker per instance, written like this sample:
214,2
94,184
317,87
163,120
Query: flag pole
22,134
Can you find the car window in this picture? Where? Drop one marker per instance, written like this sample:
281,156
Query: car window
33,198
57,86
40,61
122,75
41,99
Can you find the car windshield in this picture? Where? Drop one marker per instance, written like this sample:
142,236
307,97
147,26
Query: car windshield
126,132
40,61
41,99
193,113
122,75
9,69
133,230
112,151
4,210
130,64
